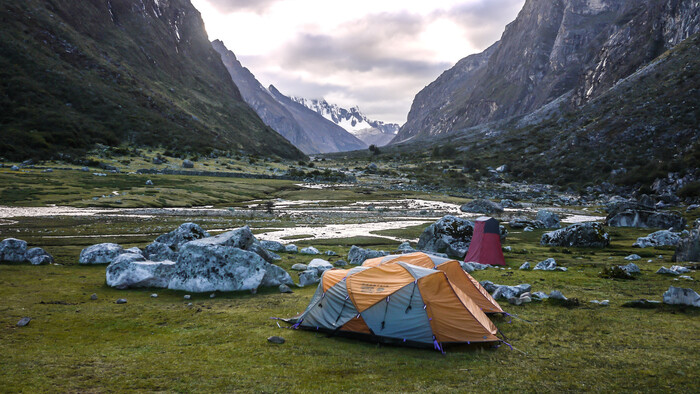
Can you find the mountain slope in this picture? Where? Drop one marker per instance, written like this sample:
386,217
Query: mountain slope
326,135
73,74
273,113
553,48
645,127
371,132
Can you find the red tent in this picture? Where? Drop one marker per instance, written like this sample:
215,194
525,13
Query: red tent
485,247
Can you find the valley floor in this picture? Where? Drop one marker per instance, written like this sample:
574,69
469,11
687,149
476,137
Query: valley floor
75,344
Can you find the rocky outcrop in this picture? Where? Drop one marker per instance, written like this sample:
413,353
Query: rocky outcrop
450,235
548,218
358,255
659,238
688,248
481,206
578,234
680,296
630,217
104,253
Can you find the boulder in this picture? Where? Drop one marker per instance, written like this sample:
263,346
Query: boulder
284,289
659,238
309,277
633,257
300,267
275,276
631,268
548,218
185,233
14,168
320,265
666,271
525,223
473,266
149,183
158,251
330,253
557,295
450,235
291,248
525,266
680,269
645,218
680,296
405,247
131,270
100,254
13,250
540,295
38,256
273,246
309,250
489,286
205,266
372,168
357,255
481,206
688,248
578,234
187,164
547,265
507,203
507,292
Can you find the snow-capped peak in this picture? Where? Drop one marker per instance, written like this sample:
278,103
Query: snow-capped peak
352,120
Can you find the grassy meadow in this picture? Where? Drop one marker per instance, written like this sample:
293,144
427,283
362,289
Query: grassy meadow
75,344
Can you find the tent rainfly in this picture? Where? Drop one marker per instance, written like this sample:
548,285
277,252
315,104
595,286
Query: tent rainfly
457,276
485,246
397,302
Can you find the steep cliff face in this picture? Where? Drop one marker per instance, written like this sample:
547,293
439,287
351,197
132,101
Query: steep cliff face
553,48
76,73
273,113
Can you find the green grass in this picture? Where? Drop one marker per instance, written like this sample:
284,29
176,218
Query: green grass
219,344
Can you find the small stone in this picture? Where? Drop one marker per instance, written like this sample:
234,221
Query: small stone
507,249
515,301
276,340
23,321
340,263
285,289
309,250
299,267
187,296
525,266
154,295
557,295
121,301
331,253
149,183
633,257
540,295
212,295
595,302
93,297
686,277
291,248
605,303
189,304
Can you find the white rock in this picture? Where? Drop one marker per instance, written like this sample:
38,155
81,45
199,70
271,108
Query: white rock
309,250
525,266
100,254
681,296
300,267
605,303
13,250
547,265
320,265
633,257
557,295
131,270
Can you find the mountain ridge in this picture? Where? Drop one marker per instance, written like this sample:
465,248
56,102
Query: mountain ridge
120,72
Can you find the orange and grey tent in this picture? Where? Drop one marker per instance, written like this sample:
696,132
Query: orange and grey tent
397,302
485,246
457,276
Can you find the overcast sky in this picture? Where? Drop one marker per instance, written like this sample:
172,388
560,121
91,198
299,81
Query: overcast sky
376,54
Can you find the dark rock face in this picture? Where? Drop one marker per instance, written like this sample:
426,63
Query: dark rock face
450,235
571,49
645,218
358,255
688,248
578,234
481,206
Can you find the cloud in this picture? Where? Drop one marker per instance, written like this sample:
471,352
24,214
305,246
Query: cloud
230,6
376,55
